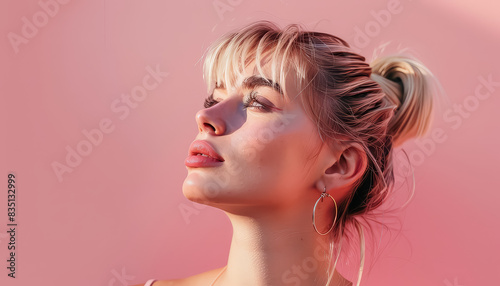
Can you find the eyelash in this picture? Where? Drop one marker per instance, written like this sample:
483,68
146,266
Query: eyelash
210,101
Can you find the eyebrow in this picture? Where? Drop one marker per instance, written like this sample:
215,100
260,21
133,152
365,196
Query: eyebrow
256,81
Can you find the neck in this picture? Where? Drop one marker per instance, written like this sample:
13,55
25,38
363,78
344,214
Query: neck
276,248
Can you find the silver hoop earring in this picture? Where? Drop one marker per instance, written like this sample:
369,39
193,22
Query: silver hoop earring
324,194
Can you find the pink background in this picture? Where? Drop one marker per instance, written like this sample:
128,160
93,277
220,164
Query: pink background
116,219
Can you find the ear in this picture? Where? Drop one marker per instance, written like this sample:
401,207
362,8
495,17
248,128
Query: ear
349,166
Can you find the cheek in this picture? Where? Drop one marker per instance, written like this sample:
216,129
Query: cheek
274,153
261,144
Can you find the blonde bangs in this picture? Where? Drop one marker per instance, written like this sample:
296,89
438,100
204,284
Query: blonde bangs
265,45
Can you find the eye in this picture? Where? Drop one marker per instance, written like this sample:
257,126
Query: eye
253,101
210,101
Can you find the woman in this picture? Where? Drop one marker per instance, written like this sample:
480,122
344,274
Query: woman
298,125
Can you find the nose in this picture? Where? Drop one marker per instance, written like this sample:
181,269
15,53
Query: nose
210,121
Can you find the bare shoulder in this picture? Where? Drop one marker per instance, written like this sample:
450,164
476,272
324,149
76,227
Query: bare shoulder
201,279
204,278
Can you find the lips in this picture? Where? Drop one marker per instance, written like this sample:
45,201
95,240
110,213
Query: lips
202,154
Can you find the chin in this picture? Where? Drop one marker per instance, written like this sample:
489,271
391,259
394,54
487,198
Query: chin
197,189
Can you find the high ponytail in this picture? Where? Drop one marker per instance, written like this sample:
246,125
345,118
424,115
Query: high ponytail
407,84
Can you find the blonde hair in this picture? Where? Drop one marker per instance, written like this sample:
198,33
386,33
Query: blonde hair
377,106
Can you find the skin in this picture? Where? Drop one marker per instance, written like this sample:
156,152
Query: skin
268,185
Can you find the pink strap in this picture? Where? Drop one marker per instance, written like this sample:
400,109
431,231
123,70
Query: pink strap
149,282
